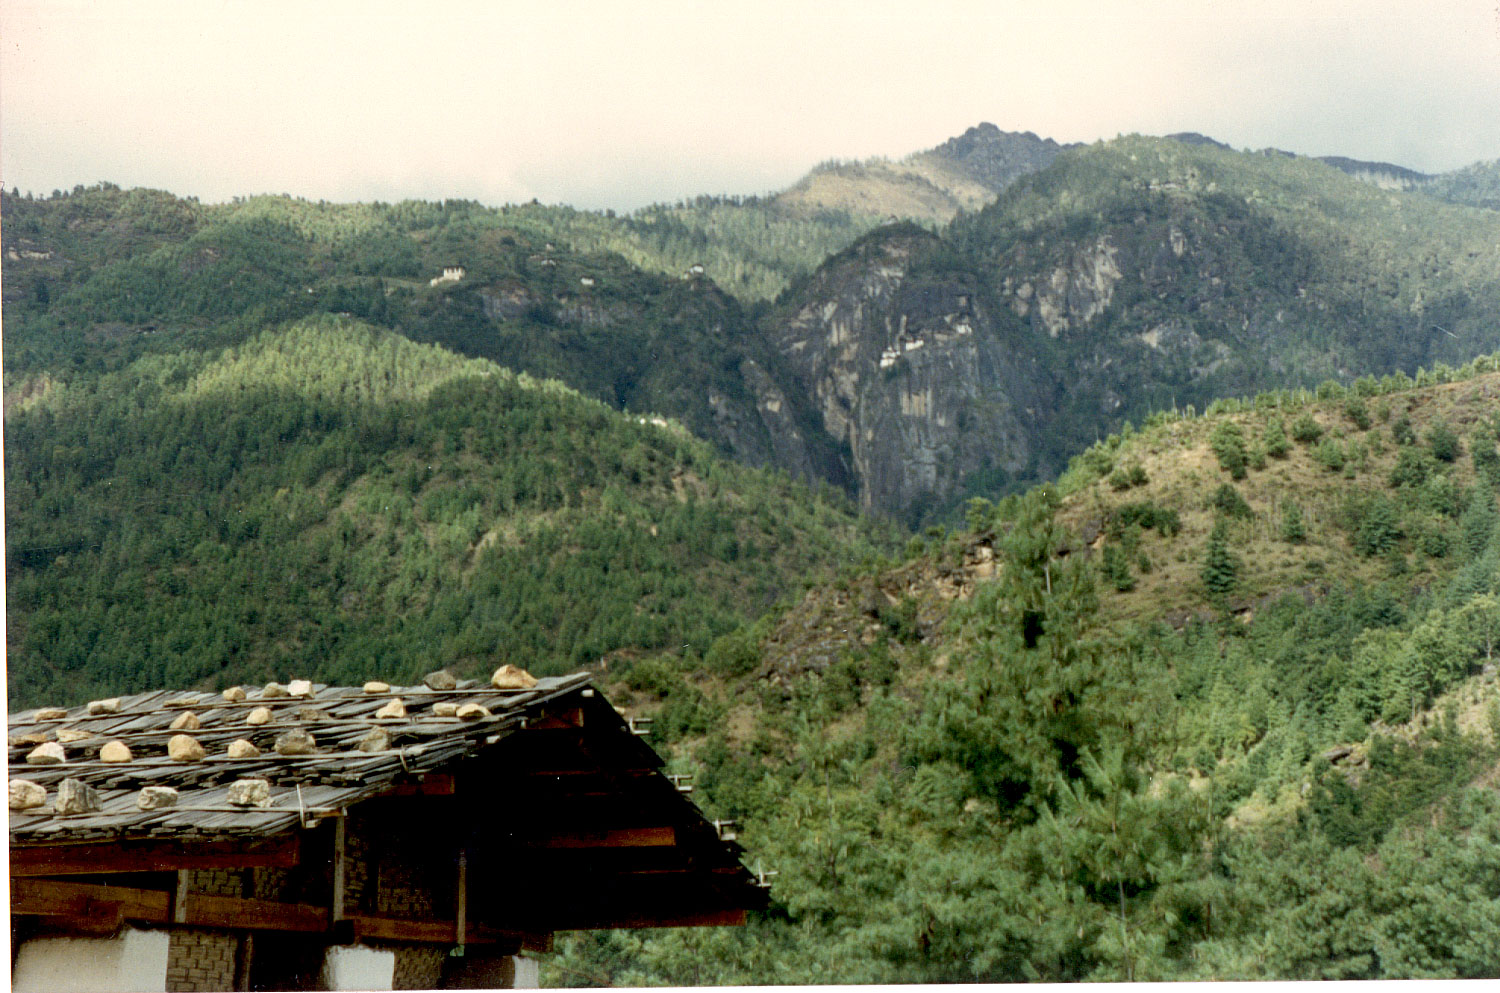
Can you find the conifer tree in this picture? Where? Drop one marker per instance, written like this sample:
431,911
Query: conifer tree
1221,567
1293,530
1275,440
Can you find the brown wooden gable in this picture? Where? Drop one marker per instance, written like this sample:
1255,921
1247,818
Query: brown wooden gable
545,814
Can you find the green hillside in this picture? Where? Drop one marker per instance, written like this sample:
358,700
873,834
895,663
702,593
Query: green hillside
103,276
330,500
996,761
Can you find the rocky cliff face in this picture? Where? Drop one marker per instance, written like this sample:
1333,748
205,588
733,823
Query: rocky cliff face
1123,280
907,376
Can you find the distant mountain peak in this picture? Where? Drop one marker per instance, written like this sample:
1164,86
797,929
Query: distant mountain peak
1194,138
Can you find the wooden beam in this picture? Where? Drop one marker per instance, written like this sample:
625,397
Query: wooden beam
279,852
637,837
572,718
433,932
435,784
262,915
52,897
607,921
603,772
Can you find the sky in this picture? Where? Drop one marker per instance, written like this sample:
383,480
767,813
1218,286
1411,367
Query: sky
617,105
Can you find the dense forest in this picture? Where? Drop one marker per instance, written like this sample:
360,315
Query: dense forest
333,499
1018,767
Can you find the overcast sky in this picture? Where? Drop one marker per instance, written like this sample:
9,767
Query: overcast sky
611,104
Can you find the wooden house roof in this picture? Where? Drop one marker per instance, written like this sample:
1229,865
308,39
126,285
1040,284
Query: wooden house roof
303,787
544,783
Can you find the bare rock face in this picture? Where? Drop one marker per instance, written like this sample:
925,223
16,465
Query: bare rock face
395,708
25,795
156,798
912,376
110,706
258,716
377,740
376,686
185,748
50,753
442,679
187,721
250,793
509,677
242,749
115,751
74,796
296,742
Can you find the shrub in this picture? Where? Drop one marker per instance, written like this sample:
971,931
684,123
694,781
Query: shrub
1227,501
1401,431
1117,568
1330,455
1412,467
1148,515
1125,477
1274,439
1306,430
1376,525
1357,412
1228,443
1444,442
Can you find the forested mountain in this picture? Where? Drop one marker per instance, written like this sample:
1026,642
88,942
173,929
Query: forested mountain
101,276
1221,704
1214,697
332,501
911,368
964,173
1125,277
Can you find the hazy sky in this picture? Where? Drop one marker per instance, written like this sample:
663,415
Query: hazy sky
613,104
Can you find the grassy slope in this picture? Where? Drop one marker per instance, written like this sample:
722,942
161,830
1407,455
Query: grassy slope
1183,472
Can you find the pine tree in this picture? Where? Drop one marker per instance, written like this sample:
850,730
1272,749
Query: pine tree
1293,530
1228,443
1275,440
1221,567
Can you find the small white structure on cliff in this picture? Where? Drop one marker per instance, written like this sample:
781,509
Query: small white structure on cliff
451,274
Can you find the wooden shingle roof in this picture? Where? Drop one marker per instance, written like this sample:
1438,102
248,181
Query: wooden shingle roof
303,787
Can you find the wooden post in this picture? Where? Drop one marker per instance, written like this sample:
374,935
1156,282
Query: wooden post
339,868
179,905
462,915
243,961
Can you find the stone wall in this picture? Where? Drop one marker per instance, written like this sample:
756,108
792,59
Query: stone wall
201,960
418,967
218,882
